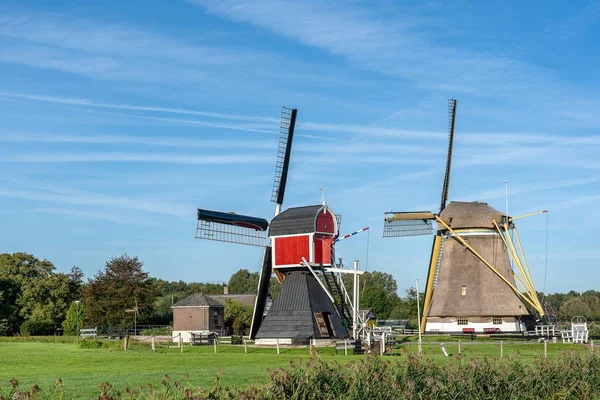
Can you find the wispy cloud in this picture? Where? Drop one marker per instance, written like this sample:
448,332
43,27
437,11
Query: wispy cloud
117,218
162,141
572,202
84,198
392,44
168,110
529,188
108,51
95,157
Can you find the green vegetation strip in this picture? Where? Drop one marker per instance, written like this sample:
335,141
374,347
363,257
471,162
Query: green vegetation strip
82,366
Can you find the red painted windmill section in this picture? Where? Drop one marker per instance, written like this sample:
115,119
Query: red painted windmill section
325,222
290,250
323,250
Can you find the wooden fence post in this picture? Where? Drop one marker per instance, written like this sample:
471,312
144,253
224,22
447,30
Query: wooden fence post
125,342
153,346
310,345
459,347
345,347
277,346
180,343
245,347
545,349
215,339
501,348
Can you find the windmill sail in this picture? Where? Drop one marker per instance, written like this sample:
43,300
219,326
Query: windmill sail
231,227
398,224
451,122
284,152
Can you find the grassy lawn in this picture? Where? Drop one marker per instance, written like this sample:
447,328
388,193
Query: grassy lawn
82,369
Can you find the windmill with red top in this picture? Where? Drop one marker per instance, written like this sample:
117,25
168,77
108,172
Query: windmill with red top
299,249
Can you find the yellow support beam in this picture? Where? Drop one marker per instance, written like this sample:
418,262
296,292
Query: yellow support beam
490,266
528,286
527,215
435,254
532,291
512,255
409,216
524,259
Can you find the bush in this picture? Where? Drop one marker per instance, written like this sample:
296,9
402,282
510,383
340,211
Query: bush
162,331
37,328
90,344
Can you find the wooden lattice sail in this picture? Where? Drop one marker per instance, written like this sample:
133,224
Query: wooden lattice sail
299,249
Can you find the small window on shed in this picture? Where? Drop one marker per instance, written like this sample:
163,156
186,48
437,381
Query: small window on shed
464,291
462,321
497,320
216,319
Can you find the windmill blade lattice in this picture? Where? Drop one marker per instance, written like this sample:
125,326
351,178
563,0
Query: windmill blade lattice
284,150
232,228
399,224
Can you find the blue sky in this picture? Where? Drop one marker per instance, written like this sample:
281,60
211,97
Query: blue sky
119,120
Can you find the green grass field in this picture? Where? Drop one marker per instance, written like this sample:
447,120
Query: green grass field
83,369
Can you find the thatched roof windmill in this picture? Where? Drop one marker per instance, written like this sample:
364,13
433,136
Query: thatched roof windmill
471,285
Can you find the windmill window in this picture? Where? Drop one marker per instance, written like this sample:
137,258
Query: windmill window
497,320
462,321
216,321
464,291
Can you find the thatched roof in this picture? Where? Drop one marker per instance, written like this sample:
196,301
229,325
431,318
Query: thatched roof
462,214
485,293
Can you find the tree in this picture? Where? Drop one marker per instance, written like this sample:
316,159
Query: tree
238,316
74,319
30,291
406,308
9,312
243,282
122,285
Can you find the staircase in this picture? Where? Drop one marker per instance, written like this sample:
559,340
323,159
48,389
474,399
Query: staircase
437,264
340,304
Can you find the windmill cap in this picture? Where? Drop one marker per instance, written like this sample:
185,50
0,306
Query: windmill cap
463,214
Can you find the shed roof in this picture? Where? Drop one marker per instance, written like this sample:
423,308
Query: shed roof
246,299
296,220
215,300
198,300
462,214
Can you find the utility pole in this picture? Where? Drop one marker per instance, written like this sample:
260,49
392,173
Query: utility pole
419,319
355,301
77,317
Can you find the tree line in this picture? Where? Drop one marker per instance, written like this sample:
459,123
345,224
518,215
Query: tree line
36,299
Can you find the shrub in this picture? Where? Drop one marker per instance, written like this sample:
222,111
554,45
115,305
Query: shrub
569,376
37,328
161,331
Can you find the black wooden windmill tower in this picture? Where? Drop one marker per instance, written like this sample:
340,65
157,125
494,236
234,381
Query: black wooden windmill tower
299,249
471,284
